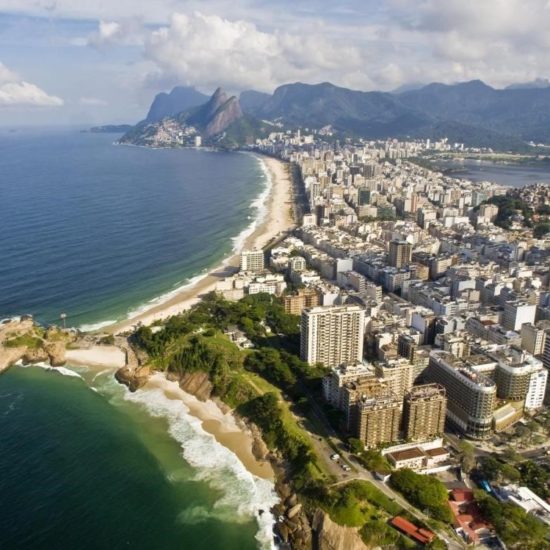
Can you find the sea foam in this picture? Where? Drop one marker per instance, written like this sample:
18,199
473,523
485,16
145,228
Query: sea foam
243,493
64,371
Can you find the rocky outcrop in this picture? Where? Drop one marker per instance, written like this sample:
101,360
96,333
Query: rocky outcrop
133,378
228,113
292,523
331,536
259,448
34,355
56,353
197,384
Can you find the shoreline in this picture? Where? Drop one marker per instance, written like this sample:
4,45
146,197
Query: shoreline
276,219
222,424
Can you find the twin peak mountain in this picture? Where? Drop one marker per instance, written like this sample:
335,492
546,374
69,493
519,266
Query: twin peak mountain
178,117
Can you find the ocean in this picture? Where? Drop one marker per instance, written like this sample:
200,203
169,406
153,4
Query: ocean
98,231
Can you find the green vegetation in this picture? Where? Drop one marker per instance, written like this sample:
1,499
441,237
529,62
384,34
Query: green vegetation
516,528
526,473
508,207
541,229
252,381
423,491
24,340
372,459
108,340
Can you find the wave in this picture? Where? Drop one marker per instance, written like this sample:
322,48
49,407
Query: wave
243,494
96,326
64,371
260,204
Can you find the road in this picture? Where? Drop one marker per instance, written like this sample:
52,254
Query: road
326,443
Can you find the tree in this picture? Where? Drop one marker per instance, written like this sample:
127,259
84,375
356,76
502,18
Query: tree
468,459
356,446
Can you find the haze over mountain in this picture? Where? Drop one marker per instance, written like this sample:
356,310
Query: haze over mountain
470,112
179,99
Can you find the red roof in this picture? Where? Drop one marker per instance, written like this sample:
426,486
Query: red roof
419,534
462,495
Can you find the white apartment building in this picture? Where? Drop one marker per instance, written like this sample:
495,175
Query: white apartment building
332,335
518,313
252,260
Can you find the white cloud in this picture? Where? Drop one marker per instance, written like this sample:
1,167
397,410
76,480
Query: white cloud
127,32
16,92
208,50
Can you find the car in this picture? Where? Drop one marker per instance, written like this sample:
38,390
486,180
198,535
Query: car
335,457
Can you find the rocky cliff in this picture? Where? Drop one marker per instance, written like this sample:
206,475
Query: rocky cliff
331,536
220,122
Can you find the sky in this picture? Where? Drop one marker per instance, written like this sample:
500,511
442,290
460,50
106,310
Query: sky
103,61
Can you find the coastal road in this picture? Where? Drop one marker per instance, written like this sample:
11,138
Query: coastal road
325,445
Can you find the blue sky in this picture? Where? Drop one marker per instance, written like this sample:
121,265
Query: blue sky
84,61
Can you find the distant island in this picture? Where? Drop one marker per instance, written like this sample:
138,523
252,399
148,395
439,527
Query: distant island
110,129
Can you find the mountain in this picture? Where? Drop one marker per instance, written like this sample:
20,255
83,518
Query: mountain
472,112
469,112
212,118
251,100
537,83
522,114
179,99
219,121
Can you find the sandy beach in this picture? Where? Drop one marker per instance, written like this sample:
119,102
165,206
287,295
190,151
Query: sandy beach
223,426
96,356
278,218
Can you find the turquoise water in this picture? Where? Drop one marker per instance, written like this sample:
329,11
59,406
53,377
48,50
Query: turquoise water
96,230
93,470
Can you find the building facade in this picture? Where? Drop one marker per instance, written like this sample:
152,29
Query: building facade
471,396
424,411
252,261
332,335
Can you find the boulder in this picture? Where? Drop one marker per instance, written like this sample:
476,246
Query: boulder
133,378
56,353
38,355
291,512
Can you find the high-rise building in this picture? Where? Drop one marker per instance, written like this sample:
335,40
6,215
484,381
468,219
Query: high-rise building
520,377
303,298
332,335
424,412
532,338
518,313
399,373
471,396
252,260
378,419
297,264
400,254
334,382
